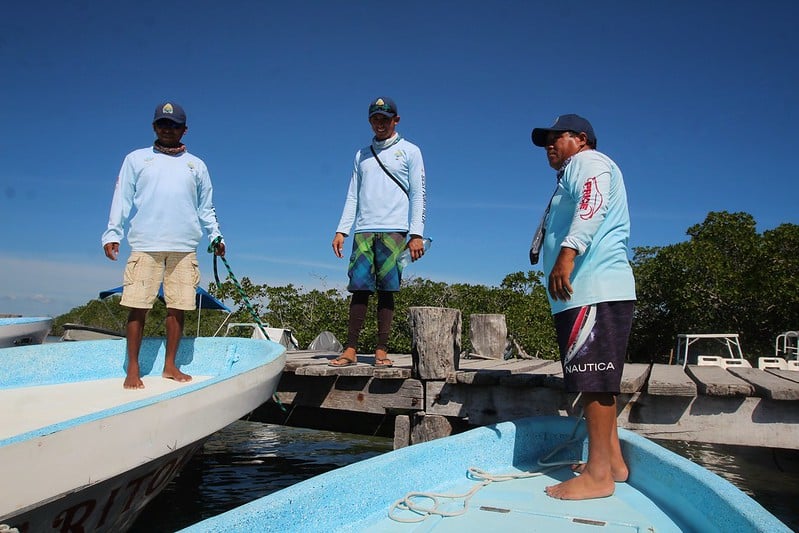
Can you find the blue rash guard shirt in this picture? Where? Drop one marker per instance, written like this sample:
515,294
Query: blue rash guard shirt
589,214
375,203
170,198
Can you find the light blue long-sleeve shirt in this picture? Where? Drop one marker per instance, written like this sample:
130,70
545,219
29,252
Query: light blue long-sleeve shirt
170,200
375,202
589,214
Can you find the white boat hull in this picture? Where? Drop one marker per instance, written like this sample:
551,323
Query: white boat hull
89,454
24,331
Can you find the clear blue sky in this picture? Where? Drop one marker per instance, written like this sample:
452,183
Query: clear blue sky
697,103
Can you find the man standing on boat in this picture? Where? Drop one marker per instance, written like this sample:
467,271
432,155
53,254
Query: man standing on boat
583,238
171,193
385,202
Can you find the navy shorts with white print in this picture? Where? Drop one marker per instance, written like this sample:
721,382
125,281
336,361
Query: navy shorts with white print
593,344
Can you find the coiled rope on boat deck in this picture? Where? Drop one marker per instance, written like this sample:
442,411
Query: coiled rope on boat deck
414,501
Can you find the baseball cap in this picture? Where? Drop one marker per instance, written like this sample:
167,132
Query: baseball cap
383,106
170,111
572,122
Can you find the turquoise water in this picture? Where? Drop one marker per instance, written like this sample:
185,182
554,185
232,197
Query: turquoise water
248,460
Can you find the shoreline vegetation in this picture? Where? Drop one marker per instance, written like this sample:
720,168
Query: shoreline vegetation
726,277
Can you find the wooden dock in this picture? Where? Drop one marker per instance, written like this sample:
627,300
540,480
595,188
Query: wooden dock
743,406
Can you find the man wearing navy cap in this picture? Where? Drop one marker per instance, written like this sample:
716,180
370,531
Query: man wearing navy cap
583,242
171,193
385,204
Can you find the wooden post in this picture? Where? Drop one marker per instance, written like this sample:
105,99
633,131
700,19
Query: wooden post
488,335
429,427
435,341
402,431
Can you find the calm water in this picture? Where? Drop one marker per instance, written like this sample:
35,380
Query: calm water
248,460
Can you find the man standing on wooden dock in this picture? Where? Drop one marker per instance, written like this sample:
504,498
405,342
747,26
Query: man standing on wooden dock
584,242
385,202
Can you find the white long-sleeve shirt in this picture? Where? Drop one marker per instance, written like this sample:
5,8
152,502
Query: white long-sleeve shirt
375,202
170,200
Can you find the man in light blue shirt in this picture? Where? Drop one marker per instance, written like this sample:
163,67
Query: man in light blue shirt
169,192
591,291
385,203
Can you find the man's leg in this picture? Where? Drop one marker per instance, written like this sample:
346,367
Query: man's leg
385,316
174,331
134,332
604,453
358,303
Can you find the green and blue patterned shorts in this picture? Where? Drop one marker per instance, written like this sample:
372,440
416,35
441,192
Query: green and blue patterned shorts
373,263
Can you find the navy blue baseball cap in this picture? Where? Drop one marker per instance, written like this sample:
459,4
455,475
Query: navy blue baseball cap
383,106
170,111
574,123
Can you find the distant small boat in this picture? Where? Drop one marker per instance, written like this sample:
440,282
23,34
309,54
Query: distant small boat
81,453
24,330
664,493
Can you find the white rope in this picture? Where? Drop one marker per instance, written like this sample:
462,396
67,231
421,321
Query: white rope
413,500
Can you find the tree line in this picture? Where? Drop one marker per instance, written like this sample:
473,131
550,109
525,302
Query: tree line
725,278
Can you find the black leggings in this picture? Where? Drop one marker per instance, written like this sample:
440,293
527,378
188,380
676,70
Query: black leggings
385,315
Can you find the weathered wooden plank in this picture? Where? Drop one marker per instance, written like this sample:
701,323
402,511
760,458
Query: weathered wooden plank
633,377
790,375
717,381
489,404
670,380
374,395
768,385
746,421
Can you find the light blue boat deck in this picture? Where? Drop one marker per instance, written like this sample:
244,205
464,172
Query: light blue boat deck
665,492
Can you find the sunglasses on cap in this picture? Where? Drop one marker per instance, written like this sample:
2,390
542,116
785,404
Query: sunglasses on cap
374,108
166,123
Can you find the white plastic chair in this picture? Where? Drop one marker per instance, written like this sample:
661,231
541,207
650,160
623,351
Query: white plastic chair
736,363
772,362
793,365
709,360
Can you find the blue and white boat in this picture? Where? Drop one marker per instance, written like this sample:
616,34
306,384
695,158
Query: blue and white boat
24,330
81,453
486,467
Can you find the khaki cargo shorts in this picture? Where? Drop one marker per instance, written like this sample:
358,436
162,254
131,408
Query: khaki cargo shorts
145,271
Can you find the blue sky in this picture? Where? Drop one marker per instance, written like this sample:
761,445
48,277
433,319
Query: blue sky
697,103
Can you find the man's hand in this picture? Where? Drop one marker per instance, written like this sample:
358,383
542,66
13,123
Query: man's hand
219,249
338,244
111,250
416,246
559,285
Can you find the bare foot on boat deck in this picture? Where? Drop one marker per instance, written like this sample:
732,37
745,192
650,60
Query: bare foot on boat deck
583,487
133,382
177,375
618,470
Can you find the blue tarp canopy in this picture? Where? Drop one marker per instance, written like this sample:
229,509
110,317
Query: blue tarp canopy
204,299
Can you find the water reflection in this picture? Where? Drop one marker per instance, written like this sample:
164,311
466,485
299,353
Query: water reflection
248,460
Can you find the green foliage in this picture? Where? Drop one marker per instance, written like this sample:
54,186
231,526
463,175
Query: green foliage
726,278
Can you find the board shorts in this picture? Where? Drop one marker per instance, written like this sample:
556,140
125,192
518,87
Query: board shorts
593,344
145,271
374,262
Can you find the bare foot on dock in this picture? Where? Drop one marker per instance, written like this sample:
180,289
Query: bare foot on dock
584,487
174,373
618,470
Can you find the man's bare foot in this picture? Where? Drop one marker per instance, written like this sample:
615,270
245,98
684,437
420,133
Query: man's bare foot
584,487
618,470
177,375
133,382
